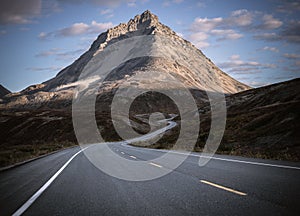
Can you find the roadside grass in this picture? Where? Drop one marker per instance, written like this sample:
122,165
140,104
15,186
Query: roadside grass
10,155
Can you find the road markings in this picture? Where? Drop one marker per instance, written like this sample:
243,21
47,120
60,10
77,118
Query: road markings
253,163
31,200
218,158
122,153
224,188
154,164
132,157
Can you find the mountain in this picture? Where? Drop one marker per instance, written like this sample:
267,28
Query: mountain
262,122
179,58
3,91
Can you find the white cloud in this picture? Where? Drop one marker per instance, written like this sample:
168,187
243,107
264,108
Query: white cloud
3,32
240,18
75,29
226,34
78,29
19,12
198,39
238,66
205,24
269,22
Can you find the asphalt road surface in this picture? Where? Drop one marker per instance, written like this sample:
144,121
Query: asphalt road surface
225,186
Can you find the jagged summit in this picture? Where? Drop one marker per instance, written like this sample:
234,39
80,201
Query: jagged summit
146,23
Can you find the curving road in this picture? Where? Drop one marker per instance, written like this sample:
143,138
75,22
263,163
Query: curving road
225,186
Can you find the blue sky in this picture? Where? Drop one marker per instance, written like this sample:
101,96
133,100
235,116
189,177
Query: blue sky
256,42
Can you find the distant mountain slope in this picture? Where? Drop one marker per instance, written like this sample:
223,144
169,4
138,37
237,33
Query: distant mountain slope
262,122
3,91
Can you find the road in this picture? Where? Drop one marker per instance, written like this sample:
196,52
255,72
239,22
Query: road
82,189
67,183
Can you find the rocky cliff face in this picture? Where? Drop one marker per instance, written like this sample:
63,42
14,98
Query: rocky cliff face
194,69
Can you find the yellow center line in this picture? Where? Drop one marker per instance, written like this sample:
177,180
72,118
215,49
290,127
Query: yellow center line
154,164
224,188
132,157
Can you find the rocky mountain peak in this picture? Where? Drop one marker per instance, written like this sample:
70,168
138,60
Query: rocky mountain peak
144,21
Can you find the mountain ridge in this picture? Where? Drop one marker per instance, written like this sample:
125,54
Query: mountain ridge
3,91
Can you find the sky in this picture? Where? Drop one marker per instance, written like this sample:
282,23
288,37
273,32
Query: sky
256,42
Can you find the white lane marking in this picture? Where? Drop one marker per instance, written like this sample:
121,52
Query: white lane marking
253,163
122,153
222,159
223,188
154,164
132,157
29,202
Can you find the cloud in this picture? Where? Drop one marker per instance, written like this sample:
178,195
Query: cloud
3,32
77,29
50,52
289,33
110,3
60,54
238,66
289,7
237,18
222,28
291,56
46,69
106,11
257,83
131,3
19,12
240,18
269,22
238,21
205,24
267,36
199,39
227,34
272,49
168,3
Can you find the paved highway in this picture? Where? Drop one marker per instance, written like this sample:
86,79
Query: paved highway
225,186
